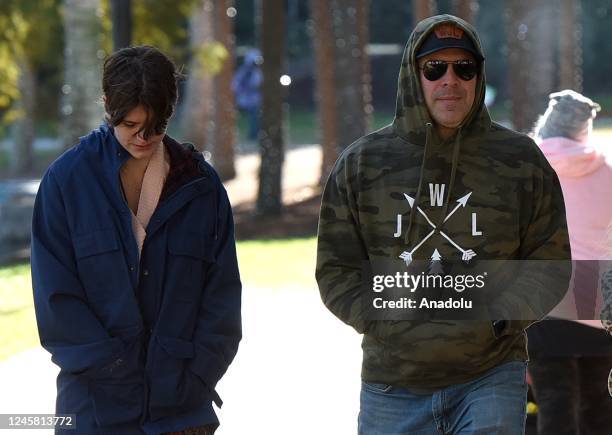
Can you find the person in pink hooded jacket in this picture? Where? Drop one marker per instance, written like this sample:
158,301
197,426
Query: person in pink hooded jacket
570,360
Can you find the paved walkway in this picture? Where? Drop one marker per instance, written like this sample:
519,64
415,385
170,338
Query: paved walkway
301,171
297,371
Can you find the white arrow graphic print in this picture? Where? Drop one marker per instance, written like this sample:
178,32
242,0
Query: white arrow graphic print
435,268
407,256
462,202
411,202
466,255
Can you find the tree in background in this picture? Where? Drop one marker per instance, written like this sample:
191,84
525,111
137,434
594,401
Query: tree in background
570,47
197,107
9,68
352,70
164,24
207,114
30,32
22,159
18,86
121,11
323,42
83,56
175,27
423,9
54,66
269,196
466,9
342,72
531,32
225,113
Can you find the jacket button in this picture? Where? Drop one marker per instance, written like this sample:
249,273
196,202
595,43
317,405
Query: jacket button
145,272
132,268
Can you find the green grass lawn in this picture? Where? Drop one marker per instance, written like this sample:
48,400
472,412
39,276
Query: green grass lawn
17,323
278,265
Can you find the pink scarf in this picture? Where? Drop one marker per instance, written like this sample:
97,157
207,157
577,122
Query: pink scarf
152,185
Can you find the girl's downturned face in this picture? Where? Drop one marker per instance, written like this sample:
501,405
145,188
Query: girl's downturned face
129,134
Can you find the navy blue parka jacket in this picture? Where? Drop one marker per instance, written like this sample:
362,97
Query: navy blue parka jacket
141,343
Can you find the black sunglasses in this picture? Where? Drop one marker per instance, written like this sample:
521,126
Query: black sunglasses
464,69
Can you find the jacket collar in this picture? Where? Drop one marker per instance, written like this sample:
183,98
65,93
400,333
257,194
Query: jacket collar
115,153
189,177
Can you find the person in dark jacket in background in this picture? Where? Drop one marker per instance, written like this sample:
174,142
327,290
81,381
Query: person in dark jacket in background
136,284
246,85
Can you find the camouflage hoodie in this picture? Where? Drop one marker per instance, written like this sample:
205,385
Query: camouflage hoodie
514,210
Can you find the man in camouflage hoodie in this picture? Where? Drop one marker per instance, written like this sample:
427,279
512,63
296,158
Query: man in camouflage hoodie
389,197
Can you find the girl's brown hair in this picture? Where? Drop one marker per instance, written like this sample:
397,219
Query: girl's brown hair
141,75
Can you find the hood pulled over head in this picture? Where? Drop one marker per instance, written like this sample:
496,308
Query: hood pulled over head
411,114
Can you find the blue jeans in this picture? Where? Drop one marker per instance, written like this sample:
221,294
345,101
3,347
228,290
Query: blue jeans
495,403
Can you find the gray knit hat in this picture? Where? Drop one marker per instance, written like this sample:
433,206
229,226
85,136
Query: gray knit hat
567,115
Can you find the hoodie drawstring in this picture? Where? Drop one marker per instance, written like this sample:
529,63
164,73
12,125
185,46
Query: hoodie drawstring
428,128
455,163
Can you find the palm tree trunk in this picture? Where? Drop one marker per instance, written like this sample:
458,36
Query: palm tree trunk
363,30
531,69
570,50
196,110
81,108
269,197
423,8
326,90
225,114
352,78
466,9
22,155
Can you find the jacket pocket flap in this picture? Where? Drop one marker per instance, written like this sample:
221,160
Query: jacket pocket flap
191,245
176,347
94,243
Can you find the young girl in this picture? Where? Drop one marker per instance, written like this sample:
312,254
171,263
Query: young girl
136,284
